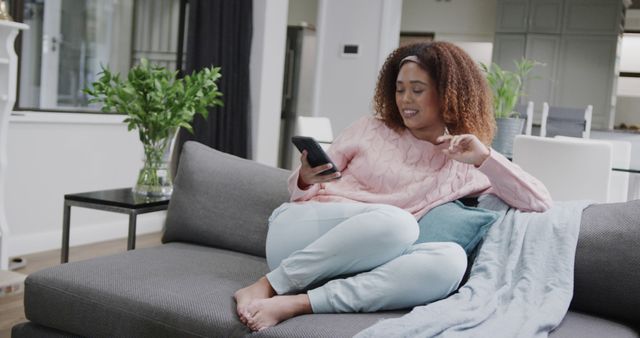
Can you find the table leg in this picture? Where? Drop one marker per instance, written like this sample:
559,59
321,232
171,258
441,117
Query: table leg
66,218
131,242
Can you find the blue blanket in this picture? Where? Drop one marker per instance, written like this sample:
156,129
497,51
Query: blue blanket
520,285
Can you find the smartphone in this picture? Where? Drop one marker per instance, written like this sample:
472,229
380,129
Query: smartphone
315,154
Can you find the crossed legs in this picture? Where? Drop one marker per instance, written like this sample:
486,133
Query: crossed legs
309,244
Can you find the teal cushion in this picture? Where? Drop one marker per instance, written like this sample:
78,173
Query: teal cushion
455,222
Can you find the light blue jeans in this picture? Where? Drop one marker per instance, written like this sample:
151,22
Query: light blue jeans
361,256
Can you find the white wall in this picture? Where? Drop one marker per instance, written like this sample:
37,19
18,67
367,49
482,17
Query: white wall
52,154
302,11
344,85
630,53
455,20
266,74
628,106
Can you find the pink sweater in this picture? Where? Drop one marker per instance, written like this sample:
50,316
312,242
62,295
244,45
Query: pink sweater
379,165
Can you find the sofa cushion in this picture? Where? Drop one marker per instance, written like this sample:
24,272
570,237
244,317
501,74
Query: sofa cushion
173,290
210,204
29,330
456,222
333,325
581,325
607,260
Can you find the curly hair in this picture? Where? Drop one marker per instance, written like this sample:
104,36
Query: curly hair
464,95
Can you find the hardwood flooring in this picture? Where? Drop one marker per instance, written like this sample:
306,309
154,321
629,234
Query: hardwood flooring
11,307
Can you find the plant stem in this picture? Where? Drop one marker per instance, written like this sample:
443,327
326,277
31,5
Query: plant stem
153,162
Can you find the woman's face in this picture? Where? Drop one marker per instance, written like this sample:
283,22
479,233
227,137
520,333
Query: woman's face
417,101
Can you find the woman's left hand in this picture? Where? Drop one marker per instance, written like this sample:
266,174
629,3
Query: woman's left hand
465,148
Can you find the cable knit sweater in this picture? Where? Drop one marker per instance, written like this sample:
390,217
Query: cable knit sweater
379,165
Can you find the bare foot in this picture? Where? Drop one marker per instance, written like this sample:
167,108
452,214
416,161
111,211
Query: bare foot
259,290
264,313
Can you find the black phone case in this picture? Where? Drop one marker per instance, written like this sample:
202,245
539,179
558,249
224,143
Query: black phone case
315,154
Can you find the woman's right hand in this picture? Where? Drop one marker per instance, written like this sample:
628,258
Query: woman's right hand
309,176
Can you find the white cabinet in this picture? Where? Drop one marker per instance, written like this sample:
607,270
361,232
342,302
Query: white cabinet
541,84
545,16
512,16
8,75
576,39
521,16
593,17
545,48
586,75
508,48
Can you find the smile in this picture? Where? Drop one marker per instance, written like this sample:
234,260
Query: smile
409,113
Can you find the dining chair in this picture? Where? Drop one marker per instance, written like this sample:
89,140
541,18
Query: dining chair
570,170
566,121
526,112
620,159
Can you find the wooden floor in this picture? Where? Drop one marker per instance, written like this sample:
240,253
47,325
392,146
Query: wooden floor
11,307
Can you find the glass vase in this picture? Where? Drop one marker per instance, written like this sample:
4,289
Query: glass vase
154,179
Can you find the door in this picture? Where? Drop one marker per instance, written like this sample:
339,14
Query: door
540,84
593,17
512,15
508,48
78,37
585,75
51,40
545,16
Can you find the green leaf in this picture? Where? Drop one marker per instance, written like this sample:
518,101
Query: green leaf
155,100
506,86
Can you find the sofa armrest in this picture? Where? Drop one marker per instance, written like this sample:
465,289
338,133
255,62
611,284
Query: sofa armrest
223,201
607,265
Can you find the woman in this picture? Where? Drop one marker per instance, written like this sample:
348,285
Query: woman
345,243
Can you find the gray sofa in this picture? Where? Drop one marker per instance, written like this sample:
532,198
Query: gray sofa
214,243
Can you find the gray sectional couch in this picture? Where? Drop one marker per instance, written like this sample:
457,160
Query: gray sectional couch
214,243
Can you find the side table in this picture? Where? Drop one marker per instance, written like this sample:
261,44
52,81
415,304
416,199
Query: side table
122,200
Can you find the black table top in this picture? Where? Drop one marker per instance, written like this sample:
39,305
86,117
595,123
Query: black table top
123,197
631,170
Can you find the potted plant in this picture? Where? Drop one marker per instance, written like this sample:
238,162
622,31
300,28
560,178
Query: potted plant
506,87
157,104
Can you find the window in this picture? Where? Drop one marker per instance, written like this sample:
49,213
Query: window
629,81
70,40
